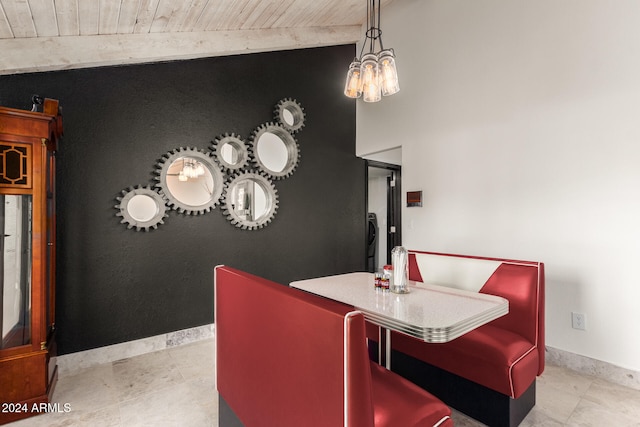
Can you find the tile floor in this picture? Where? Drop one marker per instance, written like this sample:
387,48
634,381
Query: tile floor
175,387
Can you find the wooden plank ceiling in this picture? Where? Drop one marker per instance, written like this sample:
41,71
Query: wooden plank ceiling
42,35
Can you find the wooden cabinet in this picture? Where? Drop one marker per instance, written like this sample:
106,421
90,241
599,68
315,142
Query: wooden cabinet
27,222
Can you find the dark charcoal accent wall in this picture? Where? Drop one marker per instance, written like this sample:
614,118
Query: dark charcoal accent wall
115,284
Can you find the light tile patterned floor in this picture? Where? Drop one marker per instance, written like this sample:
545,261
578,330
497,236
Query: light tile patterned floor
175,387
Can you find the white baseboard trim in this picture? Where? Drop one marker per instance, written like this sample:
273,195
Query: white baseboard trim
69,363
73,362
593,367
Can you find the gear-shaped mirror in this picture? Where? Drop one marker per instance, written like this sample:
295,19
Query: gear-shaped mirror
141,207
231,151
190,181
250,201
290,114
274,150
233,172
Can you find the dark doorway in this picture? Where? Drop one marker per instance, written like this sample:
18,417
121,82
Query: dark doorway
383,213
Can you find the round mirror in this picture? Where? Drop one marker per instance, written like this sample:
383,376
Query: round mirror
290,114
287,118
141,207
231,152
250,201
274,150
190,181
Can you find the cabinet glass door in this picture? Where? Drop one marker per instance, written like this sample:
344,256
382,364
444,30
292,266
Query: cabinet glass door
15,300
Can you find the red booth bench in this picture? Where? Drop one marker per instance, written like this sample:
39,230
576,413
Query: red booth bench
489,373
286,358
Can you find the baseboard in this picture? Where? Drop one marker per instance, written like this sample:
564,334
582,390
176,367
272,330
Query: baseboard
596,368
72,362
69,363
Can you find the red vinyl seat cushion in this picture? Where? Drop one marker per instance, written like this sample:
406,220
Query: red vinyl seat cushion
492,356
398,402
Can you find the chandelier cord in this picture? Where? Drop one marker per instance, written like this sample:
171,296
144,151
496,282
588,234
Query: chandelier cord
379,27
373,32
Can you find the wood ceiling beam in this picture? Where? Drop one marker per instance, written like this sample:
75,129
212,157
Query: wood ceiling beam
26,55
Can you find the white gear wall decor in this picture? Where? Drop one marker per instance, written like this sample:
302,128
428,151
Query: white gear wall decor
290,114
291,148
142,208
231,152
195,200
237,174
250,201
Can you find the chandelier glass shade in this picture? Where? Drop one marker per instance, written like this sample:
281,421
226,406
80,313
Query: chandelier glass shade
374,74
191,169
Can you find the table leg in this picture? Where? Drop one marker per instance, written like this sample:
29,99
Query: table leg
380,344
384,341
388,345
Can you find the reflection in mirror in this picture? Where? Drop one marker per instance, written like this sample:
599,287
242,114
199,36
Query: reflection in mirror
290,114
190,181
275,151
272,152
142,208
231,151
250,201
287,117
229,154
15,290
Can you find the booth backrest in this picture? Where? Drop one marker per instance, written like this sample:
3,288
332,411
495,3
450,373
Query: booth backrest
521,282
287,356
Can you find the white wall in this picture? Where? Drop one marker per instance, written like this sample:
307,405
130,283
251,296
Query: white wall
392,156
520,122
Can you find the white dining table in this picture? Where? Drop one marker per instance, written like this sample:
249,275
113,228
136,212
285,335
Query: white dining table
432,313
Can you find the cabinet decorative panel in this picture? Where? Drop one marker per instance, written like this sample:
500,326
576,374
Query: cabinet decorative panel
15,165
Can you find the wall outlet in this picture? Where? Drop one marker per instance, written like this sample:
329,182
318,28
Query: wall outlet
579,321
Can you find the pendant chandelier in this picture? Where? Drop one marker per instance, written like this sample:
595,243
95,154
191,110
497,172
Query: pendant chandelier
374,73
